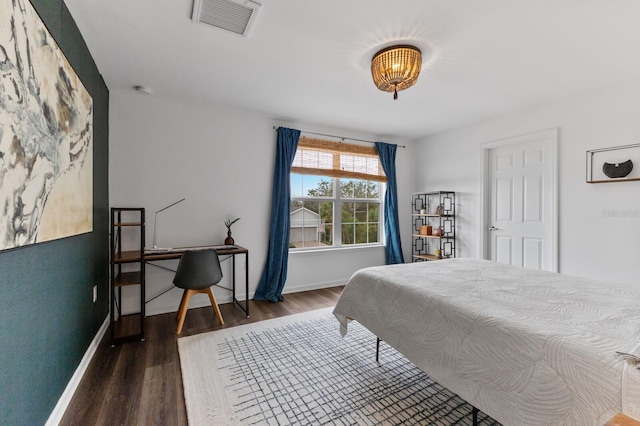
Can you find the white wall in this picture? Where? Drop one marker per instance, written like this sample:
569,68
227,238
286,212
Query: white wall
222,160
592,242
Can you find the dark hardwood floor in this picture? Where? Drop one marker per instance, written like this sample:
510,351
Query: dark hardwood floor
140,383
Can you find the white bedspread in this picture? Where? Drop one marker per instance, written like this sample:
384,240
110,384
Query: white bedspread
526,347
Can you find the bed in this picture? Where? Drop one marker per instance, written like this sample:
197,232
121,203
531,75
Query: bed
526,347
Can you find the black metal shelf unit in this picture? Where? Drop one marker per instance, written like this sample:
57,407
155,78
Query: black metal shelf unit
127,269
433,233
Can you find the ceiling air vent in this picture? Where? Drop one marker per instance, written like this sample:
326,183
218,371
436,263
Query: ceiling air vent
236,16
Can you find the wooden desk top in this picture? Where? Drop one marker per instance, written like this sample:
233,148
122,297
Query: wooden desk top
173,253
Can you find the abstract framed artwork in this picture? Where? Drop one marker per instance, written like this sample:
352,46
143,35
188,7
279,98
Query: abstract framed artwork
613,164
46,135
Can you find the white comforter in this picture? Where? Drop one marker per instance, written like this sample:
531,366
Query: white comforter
526,347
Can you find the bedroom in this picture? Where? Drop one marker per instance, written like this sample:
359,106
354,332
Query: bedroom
589,91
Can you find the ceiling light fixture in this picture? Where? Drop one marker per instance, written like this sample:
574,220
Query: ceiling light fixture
396,68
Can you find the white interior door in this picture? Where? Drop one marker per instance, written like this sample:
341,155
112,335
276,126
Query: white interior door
521,227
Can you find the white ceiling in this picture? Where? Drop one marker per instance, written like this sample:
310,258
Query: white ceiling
308,61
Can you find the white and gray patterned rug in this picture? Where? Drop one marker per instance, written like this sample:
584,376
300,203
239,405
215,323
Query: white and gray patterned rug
297,370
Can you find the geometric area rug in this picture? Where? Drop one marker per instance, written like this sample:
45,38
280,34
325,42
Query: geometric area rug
298,370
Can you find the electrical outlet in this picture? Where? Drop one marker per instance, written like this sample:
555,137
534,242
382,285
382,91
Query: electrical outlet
95,293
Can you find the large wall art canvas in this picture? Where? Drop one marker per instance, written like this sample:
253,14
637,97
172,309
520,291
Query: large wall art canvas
46,135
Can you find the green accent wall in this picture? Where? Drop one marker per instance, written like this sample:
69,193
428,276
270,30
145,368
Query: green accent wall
47,314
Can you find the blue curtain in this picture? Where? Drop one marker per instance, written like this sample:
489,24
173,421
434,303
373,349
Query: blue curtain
387,153
274,274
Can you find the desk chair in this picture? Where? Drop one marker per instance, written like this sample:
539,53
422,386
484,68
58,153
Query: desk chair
197,271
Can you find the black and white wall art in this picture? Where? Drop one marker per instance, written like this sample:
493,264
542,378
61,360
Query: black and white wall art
46,135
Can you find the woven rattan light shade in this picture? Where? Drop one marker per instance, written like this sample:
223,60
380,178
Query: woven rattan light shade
396,68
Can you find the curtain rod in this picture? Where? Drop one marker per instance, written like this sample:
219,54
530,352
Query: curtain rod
339,137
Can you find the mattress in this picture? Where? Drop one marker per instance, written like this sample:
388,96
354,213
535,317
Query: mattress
526,347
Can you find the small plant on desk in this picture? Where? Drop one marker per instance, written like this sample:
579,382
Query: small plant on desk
229,241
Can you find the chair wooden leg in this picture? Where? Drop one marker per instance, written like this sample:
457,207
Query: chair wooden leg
184,305
214,305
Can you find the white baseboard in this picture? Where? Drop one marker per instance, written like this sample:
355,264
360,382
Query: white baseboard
56,415
202,302
296,288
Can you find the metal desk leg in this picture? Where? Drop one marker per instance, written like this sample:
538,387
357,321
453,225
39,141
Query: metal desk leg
233,286
245,308
246,282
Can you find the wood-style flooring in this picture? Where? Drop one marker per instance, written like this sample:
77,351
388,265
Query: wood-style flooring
140,383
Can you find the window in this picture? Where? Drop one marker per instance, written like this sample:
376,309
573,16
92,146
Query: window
335,195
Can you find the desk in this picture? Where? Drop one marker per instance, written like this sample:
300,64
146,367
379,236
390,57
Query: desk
176,253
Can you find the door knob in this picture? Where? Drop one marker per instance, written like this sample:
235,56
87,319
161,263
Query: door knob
493,228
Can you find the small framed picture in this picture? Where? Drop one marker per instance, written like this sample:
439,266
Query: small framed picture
615,164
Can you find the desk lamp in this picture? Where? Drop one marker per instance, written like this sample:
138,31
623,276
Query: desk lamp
155,219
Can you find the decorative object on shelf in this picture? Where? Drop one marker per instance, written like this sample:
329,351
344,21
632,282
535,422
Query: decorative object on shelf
614,164
423,211
396,68
440,209
426,230
437,231
229,241
617,170
438,253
